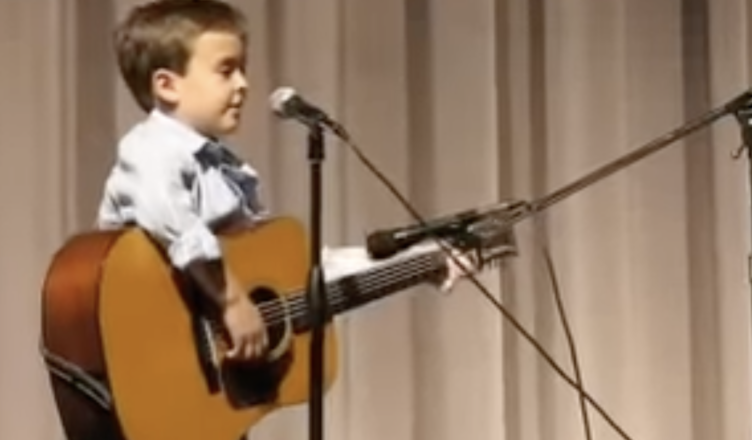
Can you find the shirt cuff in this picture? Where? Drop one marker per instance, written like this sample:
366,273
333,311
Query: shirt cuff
195,244
342,261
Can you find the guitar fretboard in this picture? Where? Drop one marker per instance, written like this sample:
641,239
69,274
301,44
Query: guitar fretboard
356,290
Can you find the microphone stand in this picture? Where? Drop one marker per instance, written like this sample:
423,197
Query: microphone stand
741,106
316,291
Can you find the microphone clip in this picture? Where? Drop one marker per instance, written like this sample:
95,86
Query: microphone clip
472,229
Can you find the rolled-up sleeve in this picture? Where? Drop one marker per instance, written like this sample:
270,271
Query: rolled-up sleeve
164,206
197,243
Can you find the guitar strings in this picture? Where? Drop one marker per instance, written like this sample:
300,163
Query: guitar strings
276,313
379,278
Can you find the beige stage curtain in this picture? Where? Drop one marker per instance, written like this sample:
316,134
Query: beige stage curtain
461,103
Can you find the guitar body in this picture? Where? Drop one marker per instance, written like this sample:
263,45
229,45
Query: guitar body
117,315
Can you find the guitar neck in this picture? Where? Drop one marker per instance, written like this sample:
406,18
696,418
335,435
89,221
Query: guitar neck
356,290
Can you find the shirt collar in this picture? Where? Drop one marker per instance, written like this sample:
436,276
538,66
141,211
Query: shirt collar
187,136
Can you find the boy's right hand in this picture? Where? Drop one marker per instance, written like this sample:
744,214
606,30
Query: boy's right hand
246,328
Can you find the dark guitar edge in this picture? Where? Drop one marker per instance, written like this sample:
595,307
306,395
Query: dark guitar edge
76,364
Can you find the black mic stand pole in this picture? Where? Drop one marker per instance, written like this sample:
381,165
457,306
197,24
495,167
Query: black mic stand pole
316,291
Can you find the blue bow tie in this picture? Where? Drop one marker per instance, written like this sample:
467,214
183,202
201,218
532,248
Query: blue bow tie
214,154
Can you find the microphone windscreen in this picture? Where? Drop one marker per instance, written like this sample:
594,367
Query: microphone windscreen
381,245
280,98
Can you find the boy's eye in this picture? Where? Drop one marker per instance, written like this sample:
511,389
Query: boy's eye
230,69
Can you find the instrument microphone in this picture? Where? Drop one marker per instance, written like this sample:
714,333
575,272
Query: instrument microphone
287,104
388,242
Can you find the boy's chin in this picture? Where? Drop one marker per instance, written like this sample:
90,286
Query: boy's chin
227,127
230,129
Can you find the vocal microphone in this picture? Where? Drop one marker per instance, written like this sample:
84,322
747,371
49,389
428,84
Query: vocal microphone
387,242
287,104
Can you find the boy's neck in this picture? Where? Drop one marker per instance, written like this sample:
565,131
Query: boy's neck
166,113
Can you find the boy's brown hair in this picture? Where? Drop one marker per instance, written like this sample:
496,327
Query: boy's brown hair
160,35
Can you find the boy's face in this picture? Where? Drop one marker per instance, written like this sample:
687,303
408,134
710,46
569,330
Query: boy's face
210,94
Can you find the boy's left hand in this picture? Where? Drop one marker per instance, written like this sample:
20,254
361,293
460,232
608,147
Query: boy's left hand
455,272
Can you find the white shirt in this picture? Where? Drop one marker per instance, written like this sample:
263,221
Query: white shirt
178,185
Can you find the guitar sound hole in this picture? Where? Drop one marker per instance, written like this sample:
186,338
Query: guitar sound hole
252,383
274,311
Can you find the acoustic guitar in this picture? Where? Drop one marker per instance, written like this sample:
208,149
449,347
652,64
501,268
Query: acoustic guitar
135,352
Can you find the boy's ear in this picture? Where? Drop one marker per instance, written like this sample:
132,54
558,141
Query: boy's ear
165,85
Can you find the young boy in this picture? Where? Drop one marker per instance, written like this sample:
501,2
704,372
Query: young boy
184,61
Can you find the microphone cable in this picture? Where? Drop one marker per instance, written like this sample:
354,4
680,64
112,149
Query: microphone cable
575,384
541,237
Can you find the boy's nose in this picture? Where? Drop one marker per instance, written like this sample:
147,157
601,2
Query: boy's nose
241,82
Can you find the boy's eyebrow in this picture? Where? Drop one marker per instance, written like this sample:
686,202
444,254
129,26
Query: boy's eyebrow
232,60
229,64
